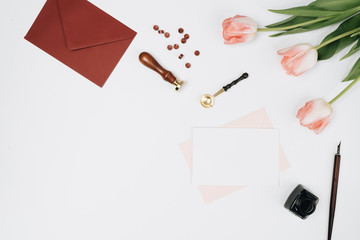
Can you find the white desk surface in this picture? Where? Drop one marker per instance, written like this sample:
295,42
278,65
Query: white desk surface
82,162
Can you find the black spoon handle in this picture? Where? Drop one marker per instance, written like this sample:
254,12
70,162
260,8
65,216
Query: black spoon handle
242,77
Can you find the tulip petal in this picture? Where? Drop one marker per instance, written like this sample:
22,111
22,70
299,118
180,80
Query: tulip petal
294,50
306,62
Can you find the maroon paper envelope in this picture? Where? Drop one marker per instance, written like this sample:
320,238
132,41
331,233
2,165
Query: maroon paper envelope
82,36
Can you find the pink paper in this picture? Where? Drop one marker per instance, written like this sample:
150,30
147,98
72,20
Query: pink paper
257,119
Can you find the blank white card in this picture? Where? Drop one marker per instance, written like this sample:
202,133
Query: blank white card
233,156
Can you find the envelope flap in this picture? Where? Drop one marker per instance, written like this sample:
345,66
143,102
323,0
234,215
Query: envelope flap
85,25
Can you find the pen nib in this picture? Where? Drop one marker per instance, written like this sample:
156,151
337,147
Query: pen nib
338,148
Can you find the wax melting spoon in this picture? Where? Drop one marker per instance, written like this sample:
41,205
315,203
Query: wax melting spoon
207,100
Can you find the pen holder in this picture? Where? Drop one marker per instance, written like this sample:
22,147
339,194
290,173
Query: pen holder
301,202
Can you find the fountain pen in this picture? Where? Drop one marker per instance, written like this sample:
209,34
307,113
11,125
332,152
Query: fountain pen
334,188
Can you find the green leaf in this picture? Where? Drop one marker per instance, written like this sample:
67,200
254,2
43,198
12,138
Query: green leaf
335,5
331,49
333,20
318,25
354,72
353,50
306,11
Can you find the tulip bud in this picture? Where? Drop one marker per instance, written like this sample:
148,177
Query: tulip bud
315,115
298,59
238,29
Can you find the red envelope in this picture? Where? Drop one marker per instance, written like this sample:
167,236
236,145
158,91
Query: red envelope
82,36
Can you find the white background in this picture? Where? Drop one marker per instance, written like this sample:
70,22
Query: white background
82,162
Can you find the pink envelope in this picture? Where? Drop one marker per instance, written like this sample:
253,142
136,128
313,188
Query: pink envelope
257,119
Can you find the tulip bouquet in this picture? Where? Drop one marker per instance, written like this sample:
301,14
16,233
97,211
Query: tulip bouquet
298,59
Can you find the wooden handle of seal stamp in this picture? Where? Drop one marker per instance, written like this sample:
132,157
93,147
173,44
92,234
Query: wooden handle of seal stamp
149,61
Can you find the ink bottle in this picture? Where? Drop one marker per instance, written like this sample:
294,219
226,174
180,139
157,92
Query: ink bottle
301,202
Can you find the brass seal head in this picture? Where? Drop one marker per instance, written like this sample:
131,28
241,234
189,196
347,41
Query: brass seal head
178,84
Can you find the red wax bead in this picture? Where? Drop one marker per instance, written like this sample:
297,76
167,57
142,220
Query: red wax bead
156,27
186,36
181,30
167,35
176,46
169,47
187,65
197,53
183,40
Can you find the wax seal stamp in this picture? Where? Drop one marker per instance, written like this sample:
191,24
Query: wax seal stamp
301,202
149,61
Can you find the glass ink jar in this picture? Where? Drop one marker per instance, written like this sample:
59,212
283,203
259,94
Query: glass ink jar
301,202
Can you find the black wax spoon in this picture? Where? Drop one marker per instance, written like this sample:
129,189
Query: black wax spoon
207,100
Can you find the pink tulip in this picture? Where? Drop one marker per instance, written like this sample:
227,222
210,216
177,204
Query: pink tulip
298,59
238,29
315,115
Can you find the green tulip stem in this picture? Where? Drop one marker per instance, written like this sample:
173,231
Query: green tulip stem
345,90
337,38
293,26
